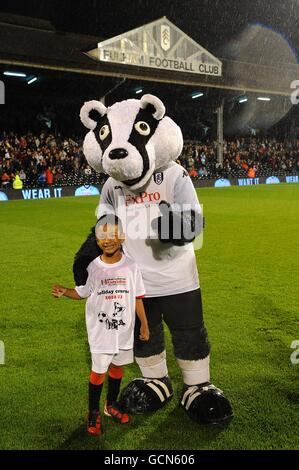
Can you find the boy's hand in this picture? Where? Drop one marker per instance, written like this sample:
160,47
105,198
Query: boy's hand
58,291
144,333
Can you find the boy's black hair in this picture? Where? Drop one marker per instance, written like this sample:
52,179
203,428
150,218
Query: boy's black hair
110,219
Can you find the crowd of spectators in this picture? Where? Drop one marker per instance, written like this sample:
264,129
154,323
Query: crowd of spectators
246,157
48,160
43,160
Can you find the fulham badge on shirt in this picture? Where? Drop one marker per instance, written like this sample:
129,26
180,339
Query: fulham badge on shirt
158,177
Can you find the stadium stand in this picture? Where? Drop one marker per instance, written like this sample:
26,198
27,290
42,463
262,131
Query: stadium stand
48,160
242,157
44,160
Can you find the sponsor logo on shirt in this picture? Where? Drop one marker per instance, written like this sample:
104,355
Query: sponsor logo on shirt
142,198
113,281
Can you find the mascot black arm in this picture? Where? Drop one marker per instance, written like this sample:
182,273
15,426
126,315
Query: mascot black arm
86,254
182,221
177,227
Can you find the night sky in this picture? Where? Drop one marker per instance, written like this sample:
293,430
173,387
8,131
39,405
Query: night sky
211,23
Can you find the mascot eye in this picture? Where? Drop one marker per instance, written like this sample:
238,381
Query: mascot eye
104,132
142,128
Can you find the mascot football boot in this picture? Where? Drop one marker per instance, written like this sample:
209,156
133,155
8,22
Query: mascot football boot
206,404
146,395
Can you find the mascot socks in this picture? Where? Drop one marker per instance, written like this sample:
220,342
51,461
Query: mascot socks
203,402
153,367
95,388
195,372
114,381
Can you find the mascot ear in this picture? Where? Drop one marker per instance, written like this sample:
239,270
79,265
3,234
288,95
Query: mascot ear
152,101
92,109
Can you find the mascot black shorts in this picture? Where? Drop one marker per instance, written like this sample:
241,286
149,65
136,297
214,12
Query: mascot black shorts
182,313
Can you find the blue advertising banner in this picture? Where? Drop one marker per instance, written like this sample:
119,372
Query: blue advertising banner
49,192
90,190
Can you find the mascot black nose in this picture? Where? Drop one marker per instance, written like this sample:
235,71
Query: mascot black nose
117,154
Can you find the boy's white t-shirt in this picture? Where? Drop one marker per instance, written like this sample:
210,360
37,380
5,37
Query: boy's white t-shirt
110,308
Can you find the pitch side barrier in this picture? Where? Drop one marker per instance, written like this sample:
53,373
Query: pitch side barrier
225,182
89,190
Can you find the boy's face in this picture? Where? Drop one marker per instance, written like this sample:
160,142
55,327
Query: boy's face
109,239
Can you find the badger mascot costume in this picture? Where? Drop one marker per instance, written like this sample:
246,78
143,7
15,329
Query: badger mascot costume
136,145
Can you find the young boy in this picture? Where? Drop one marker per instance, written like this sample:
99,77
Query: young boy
114,291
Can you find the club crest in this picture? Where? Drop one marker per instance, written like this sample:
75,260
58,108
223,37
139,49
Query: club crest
158,178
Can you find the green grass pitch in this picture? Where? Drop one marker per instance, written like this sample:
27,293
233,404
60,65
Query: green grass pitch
250,282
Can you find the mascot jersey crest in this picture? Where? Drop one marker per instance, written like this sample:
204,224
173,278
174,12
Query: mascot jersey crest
136,145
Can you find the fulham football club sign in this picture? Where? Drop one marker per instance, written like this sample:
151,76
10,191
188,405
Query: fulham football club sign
160,45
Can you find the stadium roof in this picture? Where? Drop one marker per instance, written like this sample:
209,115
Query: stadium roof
36,43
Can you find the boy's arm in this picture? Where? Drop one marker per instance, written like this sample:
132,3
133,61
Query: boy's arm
59,291
144,330
141,312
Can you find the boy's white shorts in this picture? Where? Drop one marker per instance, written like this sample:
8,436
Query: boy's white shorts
102,361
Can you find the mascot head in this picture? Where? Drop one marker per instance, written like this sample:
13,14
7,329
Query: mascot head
130,139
